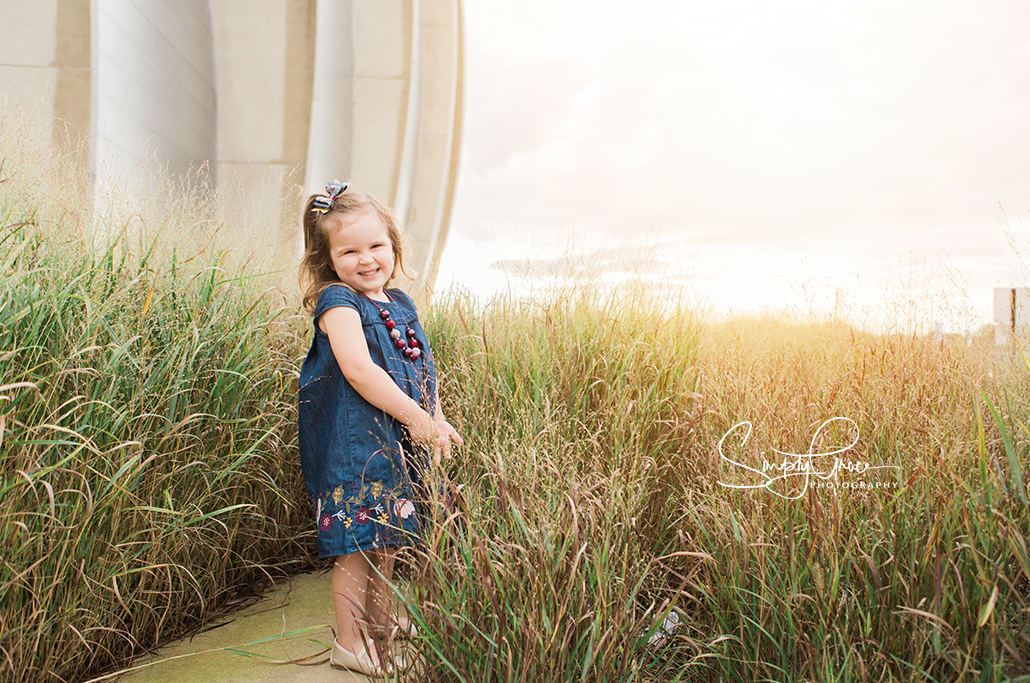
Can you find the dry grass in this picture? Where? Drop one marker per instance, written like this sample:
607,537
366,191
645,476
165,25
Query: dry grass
147,422
588,505
149,472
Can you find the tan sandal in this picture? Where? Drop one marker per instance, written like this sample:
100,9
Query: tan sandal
342,658
398,629
386,635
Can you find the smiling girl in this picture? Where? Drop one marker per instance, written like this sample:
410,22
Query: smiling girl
369,414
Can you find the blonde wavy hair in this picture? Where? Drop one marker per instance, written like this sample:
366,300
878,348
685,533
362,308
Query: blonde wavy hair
316,267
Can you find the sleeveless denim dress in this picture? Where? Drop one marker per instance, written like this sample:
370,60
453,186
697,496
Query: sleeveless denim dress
360,469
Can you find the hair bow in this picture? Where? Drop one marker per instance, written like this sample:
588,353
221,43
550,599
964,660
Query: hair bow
325,202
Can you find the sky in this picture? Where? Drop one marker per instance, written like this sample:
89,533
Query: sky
763,155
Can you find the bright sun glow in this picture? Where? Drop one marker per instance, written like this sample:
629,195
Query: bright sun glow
853,136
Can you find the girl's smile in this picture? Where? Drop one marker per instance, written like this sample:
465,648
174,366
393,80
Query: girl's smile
362,255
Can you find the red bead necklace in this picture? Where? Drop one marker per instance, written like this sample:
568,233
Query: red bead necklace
408,345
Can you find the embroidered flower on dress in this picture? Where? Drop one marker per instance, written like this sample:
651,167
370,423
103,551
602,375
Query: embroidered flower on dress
403,508
326,522
361,515
338,494
377,489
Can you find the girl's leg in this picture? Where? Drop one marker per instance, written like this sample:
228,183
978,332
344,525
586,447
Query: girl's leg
380,593
350,584
377,605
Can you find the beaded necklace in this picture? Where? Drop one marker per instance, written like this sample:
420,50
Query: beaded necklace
408,345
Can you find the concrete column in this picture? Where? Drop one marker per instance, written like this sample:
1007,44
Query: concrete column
382,48
153,88
332,97
264,57
439,136
362,90
386,112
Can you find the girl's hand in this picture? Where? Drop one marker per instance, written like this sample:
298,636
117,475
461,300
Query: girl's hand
445,434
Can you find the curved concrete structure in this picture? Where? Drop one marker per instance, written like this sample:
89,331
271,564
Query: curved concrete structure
386,111
269,94
153,87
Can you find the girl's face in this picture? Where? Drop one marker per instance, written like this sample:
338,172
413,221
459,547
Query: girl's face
362,254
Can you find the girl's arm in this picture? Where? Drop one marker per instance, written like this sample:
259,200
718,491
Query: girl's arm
343,325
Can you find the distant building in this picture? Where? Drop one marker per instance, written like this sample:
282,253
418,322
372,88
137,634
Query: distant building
1011,314
257,90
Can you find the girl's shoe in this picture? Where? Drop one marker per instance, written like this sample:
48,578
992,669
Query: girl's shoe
401,629
398,660
345,659
386,634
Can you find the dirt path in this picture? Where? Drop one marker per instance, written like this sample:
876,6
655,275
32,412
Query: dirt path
302,605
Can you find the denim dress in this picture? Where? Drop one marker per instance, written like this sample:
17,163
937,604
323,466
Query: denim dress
360,469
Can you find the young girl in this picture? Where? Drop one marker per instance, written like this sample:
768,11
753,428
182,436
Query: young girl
369,412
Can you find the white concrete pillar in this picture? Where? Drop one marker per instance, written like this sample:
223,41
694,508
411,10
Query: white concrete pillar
439,136
404,112
362,90
264,53
332,100
153,88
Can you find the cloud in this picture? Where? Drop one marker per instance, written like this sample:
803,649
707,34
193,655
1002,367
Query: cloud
746,120
518,106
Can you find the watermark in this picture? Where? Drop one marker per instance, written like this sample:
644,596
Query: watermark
801,470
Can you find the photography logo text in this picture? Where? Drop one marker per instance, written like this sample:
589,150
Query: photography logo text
790,475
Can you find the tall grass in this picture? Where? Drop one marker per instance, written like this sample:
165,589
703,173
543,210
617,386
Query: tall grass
542,571
147,424
588,505
147,391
